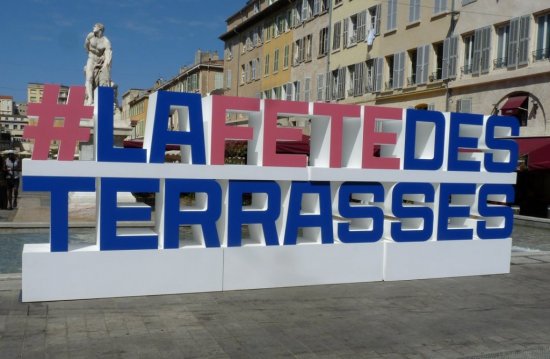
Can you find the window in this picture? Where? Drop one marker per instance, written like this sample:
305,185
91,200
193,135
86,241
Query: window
464,105
257,37
277,93
276,61
228,78
398,75
320,87
258,68
247,71
374,19
218,80
482,50
468,54
414,10
350,31
307,89
308,40
323,41
306,14
422,64
392,15
378,74
296,85
319,6
358,79
338,83
228,52
436,74
267,31
298,51
295,12
253,69
288,90
286,56
543,38
440,6
411,80
337,33
266,65
450,56
518,48
503,36
243,75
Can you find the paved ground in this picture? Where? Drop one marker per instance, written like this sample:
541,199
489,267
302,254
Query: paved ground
501,316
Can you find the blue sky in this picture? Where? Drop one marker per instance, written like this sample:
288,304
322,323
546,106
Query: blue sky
43,40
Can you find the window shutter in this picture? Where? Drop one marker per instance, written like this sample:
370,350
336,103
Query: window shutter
307,89
513,43
358,79
425,70
464,105
288,90
485,49
297,91
316,7
336,35
523,46
401,77
453,56
392,13
377,19
341,82
379,70
361,25
345,33
398,70
320,87
419,64
476,63
446,57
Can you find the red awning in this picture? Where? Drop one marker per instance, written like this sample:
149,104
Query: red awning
138,143
537,150
512,105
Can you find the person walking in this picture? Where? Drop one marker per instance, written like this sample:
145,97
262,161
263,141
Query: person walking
3,185
13,171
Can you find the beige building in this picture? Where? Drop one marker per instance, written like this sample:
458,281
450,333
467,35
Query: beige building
448,55
6,105
204,76
36,90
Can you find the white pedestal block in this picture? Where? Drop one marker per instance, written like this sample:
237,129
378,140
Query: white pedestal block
251,267
88,273
439,259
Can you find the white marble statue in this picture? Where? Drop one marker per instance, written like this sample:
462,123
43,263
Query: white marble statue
98,66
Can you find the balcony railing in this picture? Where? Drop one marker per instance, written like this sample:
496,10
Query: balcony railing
541,54
500,63
411,81
466,69
435,76
388,85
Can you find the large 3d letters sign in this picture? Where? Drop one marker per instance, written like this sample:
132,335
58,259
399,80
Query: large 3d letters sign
385,194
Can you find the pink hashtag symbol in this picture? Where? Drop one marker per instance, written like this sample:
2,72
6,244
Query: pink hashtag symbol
47,112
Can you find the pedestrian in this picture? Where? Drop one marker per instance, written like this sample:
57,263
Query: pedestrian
3,185
13,170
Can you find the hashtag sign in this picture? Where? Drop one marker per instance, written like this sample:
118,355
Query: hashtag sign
69,134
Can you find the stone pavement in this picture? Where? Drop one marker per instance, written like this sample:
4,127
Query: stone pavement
499,316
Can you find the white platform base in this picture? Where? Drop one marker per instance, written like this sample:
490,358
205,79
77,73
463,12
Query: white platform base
304,264
440,259
88,273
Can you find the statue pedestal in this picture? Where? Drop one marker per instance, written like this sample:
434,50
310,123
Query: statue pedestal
82,205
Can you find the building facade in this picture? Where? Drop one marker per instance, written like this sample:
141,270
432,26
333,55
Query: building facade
204,76
446,55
